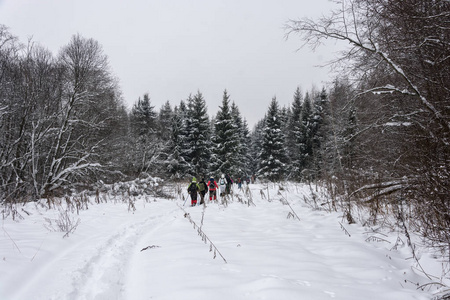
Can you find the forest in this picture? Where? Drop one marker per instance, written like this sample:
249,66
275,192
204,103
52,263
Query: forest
377,137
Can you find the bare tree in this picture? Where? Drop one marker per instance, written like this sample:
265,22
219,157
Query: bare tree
87,90
56,116
398,57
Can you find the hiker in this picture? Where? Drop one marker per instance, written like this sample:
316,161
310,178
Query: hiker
222,185
212,185
239,183
192,190
228,184
202,190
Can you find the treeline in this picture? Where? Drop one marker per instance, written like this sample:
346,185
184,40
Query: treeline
63,127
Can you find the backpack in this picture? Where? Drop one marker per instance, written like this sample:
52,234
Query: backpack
212,185
222,181
201,186
193,187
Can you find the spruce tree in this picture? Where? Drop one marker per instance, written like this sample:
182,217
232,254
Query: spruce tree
176,164
164,121
143,128
320,116
256,138
243,159
273,156
305,141
198,135
294,136
226,141
163,134
245,154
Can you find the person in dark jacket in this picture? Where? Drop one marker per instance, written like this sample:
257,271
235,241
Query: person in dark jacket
192,190
202,189
229,183
212,186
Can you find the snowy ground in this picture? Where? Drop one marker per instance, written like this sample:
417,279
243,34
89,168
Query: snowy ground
267,253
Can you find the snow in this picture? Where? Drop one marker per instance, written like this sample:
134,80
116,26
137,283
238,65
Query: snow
155,252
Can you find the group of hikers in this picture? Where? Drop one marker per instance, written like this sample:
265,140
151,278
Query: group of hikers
203,187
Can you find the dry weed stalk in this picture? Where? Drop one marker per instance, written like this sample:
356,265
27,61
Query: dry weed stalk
248,194
345,230
286,202
64,223
203,235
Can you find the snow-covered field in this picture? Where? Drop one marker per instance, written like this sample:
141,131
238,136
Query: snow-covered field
242,251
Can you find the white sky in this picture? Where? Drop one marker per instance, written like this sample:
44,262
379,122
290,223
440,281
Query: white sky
173,48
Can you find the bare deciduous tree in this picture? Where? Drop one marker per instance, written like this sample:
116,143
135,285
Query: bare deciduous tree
398,57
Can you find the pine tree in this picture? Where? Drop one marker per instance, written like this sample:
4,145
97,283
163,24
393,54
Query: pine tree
256,138
164,121
176,164
143,118
320,116
245,155
273,156
243,159
226,141
143,128
198,135
294,136
305,141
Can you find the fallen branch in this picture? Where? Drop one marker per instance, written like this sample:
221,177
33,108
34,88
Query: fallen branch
150,247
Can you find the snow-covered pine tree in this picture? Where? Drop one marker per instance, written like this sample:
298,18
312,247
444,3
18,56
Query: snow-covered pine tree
256,138
176,164
198,135
246,146
143,127
294,136
163,134
164,121
226,141
320,116
306,149
243,158
273,156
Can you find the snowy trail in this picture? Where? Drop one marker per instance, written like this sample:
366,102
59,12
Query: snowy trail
94,264
155,253
104,275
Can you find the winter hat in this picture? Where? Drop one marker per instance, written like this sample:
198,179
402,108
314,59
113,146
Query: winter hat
223,175
194,179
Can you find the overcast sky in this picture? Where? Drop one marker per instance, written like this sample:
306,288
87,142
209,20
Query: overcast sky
173,48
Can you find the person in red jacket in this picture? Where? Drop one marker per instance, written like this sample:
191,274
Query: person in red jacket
212,185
